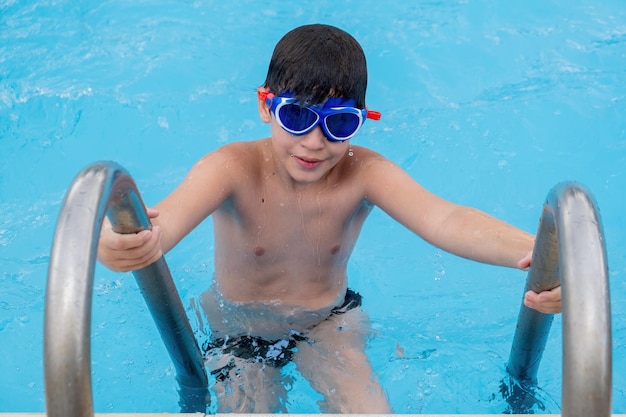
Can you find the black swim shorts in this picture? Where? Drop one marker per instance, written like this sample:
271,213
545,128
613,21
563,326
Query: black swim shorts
276,353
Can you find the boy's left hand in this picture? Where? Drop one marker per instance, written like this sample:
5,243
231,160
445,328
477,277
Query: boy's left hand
548,302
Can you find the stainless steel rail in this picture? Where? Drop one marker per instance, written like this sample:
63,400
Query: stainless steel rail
106,188
570,248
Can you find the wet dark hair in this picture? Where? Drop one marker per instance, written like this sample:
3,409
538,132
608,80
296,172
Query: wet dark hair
316,62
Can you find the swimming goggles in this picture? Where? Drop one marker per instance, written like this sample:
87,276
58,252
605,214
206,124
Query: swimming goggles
338,117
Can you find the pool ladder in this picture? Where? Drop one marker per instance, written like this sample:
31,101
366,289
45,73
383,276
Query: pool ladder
101,189
569,249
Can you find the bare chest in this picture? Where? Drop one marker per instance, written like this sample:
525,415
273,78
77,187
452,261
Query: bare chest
309,222
272,224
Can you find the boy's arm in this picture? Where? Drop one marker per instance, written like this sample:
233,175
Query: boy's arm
202,191
460,230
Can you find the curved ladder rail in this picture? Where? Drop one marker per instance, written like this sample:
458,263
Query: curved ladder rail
570,247
106,188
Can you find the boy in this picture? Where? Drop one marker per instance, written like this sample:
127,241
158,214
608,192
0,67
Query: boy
287,211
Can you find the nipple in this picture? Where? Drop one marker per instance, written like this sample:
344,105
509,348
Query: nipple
335,249
259,251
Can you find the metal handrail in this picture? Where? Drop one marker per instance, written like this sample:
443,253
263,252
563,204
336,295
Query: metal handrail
106,188
570,248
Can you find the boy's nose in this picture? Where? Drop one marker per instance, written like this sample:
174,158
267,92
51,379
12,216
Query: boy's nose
315,139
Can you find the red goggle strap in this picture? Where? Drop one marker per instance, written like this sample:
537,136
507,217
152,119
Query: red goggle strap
373,114
265,95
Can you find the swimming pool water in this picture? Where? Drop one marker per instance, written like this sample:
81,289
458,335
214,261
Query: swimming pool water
486,103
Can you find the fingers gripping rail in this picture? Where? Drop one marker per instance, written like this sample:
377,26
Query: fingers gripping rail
570,248
101,189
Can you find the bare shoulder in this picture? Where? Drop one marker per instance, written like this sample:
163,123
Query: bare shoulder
230,160
367,172
361,153
235,152
216,175
370,165
384,181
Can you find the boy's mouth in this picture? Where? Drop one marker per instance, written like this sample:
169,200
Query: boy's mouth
306,162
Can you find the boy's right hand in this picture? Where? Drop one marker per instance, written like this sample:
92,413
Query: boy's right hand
129,252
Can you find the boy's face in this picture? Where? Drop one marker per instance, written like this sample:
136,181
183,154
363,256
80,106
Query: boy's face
306,158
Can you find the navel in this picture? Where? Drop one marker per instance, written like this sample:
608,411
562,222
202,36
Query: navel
259,251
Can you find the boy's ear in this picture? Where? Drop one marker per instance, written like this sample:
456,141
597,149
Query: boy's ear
264,109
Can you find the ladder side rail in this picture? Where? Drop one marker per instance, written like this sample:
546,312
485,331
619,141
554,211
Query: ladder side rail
587,337
97,189
570,250
533,327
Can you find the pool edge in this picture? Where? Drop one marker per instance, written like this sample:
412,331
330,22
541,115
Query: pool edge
267,415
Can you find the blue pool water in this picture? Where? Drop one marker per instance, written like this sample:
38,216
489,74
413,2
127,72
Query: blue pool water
486,103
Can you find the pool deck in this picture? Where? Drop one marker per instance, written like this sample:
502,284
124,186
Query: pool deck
267,415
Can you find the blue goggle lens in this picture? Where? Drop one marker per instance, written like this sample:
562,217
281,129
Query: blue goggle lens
342,125
297,118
